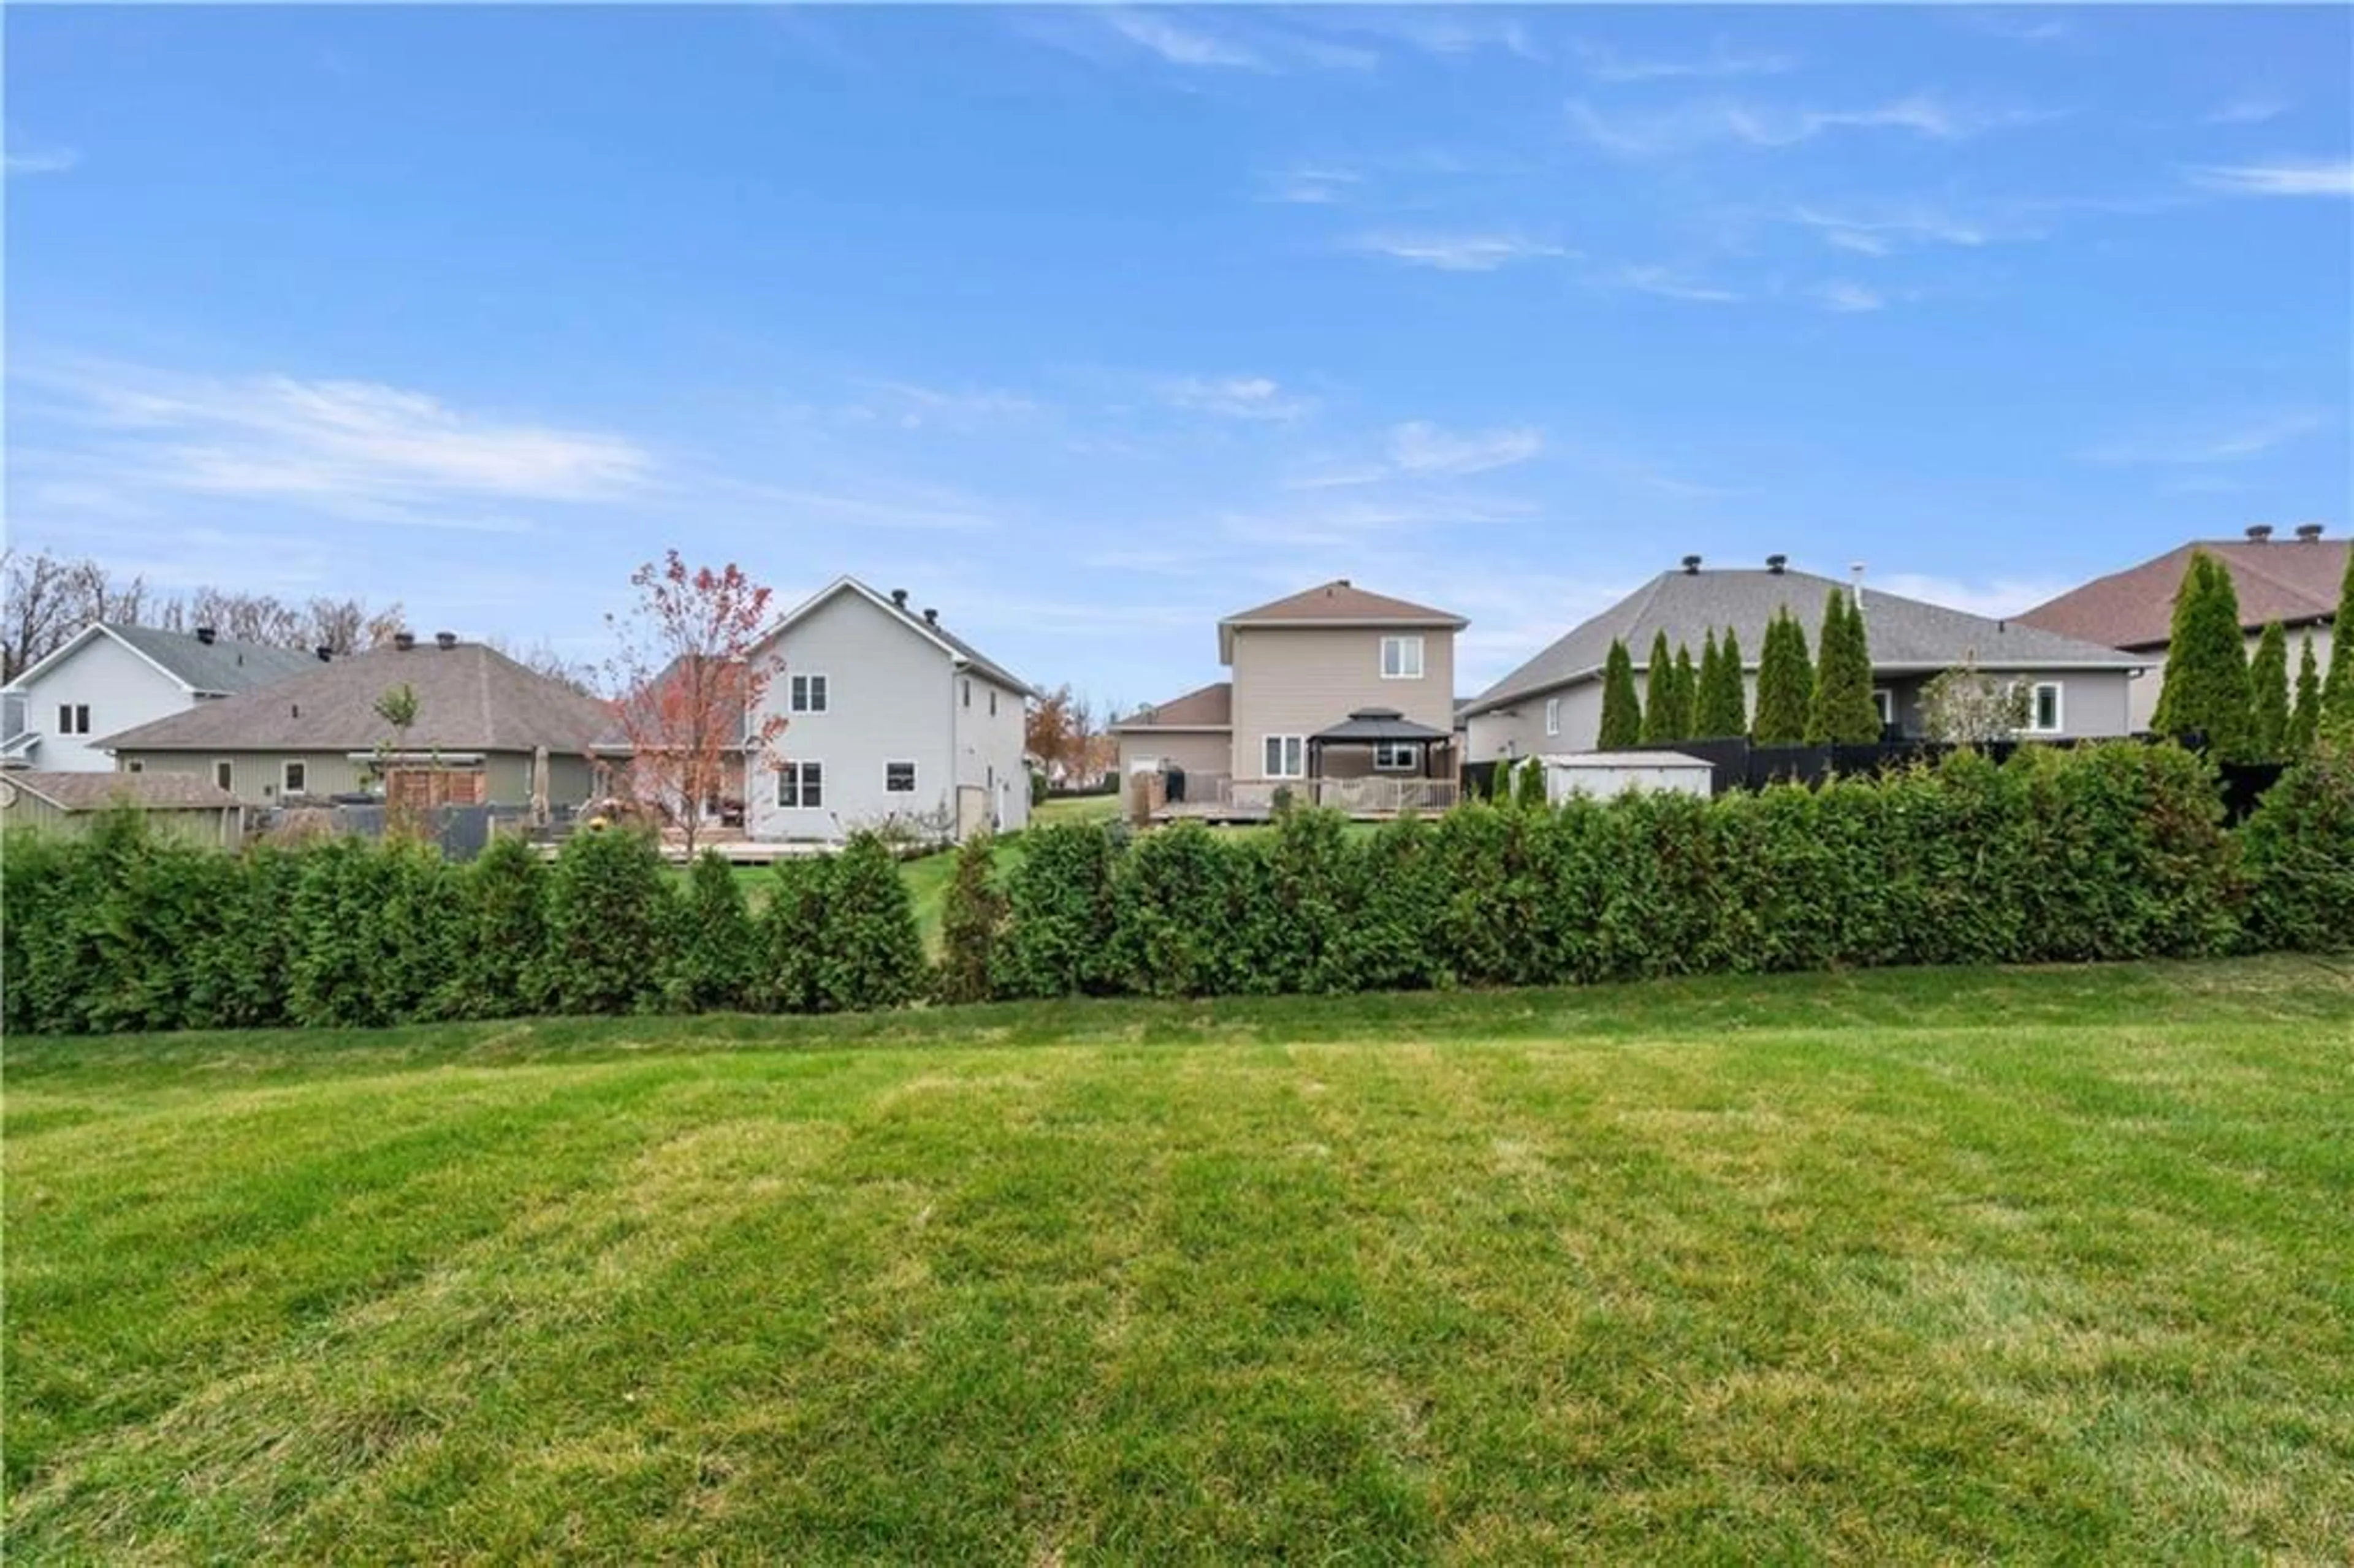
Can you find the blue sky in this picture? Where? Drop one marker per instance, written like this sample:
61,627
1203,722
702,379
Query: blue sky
1088,325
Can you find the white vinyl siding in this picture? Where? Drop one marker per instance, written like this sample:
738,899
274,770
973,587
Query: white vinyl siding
1400,658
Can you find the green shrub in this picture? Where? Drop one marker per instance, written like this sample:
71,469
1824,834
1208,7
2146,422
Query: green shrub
1062,915
1396,902
377,939
503,966
792,935
609,924
1292,946
1172,896
714,960
2124,854
41,957
1529,785
872,955
972,917
2299,851
244,963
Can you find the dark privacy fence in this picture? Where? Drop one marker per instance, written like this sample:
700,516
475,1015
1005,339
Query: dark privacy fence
2100,851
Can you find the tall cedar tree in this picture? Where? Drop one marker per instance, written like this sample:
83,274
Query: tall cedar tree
1723,706
971,916
715,952
1842,712
2337,690
2207,689
1687,693
2268,707
1658,692
1785,684
1622,710
2305,718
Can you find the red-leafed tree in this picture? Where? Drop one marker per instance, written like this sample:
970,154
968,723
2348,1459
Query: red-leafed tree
690,686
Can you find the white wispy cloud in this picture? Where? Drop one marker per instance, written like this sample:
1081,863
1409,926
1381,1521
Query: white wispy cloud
912,406
339,442
2282,177
41,160
1422,447
1602,63
1646,278
1311,185
1456,252
1451,30
1849,299
1256,397
1181,44
1691,126
2021,25
2233,442
1210,39
2247,112
1354,519
1882,233
1996,598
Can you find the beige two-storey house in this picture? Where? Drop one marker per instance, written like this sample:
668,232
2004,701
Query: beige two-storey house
1335,683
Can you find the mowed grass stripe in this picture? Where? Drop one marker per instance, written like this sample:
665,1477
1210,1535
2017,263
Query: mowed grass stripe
1733,1270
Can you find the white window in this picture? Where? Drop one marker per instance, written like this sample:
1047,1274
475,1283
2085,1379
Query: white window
134,766
1400,658
809,693
992,702
1553,715
1286,756
900,778
1885,701
2043,708
224,773
800,786
1396,755
968,691
73,719
294,777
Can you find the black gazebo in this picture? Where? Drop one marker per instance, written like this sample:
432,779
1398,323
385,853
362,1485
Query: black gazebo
1376,727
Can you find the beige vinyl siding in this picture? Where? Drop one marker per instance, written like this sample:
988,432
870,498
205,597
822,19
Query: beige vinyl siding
218,827
1518,729
1297,680
334,773
1203,752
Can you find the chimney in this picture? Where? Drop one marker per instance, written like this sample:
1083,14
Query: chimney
404,640
1778,564
2308,533
1855,581
324,653
445,640
899,597
1691,566
1343,582
2258,532
932,616
205,634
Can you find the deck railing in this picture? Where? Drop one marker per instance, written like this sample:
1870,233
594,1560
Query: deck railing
1373,796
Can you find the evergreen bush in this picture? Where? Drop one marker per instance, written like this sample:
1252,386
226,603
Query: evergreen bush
1061,915
609,924
2206,690
714,959
873,953
2304,715
1659,694
2268,727
972,918
2298,846
1622,710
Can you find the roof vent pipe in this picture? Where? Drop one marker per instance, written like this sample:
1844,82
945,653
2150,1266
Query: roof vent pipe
445,640
2259,531
205,634
2308,533
404,640
932,616
324,653
1855,581
899,597
1691,566
1776,563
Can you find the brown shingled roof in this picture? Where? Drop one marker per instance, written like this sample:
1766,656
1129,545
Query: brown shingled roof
1340,600
1211,707
2292,581
96,791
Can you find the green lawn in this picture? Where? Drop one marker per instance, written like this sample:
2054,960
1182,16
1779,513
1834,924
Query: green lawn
2051,1264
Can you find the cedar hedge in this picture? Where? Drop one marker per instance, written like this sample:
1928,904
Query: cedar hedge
2056,855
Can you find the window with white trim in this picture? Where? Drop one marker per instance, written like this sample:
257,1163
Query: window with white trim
800,786
898,778
2043,712
968,691
1286,757
73,719
225,774
1553,715
992,702
1400,658
135,764
1885,701
1397,756
294,777
809,693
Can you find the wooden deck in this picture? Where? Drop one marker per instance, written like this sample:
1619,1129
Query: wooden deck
1374,797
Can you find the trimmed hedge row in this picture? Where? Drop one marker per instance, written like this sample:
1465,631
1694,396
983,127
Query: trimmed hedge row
2103,851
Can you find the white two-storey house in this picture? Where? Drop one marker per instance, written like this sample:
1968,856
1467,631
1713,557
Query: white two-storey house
889,715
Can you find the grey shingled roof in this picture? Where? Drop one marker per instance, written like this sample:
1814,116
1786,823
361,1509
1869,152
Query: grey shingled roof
217,666
469,698
96,791
1905,634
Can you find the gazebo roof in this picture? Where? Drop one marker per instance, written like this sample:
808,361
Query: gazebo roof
1367,725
